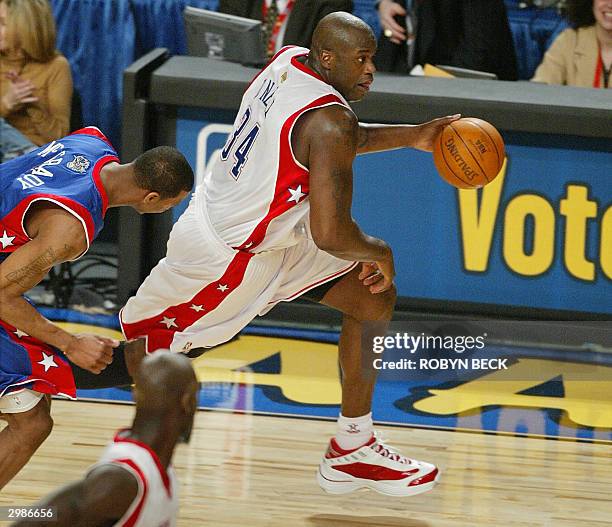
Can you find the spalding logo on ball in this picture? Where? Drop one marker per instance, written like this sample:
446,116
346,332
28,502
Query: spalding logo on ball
469,153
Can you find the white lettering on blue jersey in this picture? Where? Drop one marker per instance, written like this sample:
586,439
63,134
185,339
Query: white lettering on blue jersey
32,179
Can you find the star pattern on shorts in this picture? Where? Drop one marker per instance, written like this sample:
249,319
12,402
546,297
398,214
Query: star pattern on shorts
6,240
48,362
223,288
296,194
169,322
20,333
196,308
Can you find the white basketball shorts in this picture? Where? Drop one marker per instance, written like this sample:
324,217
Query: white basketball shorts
204,292
19,401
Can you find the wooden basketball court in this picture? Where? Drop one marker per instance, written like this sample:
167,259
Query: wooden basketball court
244,469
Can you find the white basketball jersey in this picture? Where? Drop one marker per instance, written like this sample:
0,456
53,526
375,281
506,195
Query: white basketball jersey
156,504
256,192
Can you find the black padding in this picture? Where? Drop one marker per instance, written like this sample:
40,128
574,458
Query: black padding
114,375
317,294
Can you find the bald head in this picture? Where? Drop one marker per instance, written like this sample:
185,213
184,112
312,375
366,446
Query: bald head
342,51
163,380
339,31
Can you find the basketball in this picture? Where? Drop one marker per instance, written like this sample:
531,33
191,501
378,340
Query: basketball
469,153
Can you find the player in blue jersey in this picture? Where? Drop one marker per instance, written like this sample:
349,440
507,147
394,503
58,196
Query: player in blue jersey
52,205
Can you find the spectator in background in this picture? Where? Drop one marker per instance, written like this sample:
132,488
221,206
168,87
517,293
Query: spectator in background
285,21
35,79
473,34
12,142
581,55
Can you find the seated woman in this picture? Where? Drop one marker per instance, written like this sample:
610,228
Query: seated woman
582,55
12,142
35,79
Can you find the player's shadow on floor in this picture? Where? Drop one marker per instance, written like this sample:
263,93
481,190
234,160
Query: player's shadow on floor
343,520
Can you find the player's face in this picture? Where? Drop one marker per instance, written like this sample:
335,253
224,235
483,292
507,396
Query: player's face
353,70
153,204
602,9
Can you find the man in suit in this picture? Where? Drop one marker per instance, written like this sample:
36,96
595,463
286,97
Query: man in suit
473,34
288,21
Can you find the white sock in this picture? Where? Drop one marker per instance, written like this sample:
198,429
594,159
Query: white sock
354,432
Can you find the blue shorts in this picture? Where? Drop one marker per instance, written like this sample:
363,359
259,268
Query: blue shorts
26,362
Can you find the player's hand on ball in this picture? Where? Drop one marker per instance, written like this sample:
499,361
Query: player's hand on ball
91,352
429,131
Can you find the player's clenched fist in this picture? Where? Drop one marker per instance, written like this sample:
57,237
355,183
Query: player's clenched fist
91,352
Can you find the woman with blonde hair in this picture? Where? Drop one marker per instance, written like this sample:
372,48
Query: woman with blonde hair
582,55
35,79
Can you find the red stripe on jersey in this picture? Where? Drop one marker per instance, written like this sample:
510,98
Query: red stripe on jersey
14,221
160,329
274,57
133,518
100,164
302,67
94,131
162,471
58,378
290,175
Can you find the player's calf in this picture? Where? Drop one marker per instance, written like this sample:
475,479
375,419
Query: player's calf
25,432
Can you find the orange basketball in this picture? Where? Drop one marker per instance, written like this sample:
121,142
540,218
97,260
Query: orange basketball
469,153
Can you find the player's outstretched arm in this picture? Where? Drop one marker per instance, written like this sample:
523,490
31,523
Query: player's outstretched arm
380,137
101,499
331,135
57,236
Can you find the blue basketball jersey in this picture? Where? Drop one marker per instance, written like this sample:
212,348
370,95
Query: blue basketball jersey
65,172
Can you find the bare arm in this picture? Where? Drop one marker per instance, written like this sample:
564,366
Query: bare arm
380,137
99,500
331,136
57,237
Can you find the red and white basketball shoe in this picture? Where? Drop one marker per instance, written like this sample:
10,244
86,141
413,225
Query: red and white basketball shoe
375,466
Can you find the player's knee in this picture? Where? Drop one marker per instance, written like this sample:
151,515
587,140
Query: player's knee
33,426
389,301
379,306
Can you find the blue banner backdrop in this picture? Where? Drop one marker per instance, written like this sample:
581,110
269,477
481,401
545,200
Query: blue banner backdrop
539,236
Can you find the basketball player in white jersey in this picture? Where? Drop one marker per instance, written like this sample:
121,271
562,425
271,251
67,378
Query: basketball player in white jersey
133,484
272,221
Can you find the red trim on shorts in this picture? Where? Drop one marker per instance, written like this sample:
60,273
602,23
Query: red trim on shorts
95,132
162,471
133,518
180,317
56,380
289,175
322,281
